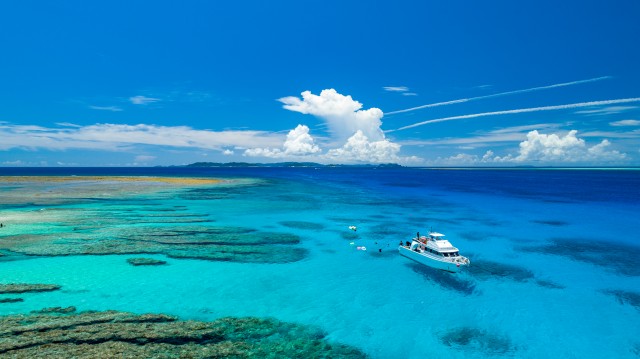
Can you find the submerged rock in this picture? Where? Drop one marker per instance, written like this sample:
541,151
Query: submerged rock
27,288
118,334
145,262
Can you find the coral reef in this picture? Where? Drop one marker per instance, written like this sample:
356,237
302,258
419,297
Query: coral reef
145,262
631,298
444,279
11,300
605,254
27,288
484,269
549,284
126,225
303,225
475,339
117,334
59,310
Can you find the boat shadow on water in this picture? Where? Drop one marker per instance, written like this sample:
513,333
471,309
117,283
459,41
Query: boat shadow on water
444,279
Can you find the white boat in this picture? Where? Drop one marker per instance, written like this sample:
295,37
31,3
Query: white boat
434,251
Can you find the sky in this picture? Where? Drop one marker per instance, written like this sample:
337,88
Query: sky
418,83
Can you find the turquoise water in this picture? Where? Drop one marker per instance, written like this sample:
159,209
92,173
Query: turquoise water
554,258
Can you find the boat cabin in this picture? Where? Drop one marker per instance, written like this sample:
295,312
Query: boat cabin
435,245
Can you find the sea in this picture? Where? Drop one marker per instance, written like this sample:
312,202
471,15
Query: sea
554,254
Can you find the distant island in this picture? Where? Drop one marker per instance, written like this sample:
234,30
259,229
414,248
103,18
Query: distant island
286,164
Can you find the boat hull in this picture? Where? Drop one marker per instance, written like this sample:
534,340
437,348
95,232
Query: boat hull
428,261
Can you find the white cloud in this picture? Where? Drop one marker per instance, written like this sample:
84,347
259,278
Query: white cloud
625,123
227,152
359,149
142,100
360,130
343,115
396,88
609,110
409,94
118,137
541,149
106,108
297,143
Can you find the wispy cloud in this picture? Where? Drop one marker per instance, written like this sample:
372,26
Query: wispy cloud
143,100
452,102
106,108
119,137
625,123
483,138
522,110
409,94
396,88
609,110
611,134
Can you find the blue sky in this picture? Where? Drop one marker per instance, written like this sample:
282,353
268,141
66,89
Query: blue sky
144,83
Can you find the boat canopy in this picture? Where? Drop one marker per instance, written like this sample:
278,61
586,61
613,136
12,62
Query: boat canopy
436,234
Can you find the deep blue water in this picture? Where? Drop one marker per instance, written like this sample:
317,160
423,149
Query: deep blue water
554,258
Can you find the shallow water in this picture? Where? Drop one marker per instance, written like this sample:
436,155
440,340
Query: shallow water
549,275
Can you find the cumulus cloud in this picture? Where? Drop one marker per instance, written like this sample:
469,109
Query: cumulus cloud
348,123
539,148
569,148
142,100
360,149
342,114
298,143
625,123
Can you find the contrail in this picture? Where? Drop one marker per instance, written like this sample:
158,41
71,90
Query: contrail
522,110
499,94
